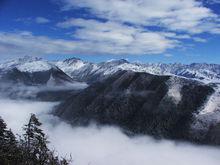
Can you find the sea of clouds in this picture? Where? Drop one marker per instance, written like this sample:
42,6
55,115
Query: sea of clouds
104,145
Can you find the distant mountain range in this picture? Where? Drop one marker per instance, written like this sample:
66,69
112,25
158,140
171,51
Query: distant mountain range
89,72
33,71
31,77
174,101
84,71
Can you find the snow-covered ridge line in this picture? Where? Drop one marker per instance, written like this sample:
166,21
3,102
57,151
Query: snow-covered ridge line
84,71
75,67
27,64
35,66
203,72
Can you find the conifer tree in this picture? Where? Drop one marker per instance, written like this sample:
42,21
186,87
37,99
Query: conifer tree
35,141
35,145
9,151
30,149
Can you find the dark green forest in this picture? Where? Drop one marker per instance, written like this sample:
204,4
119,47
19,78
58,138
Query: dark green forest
30,148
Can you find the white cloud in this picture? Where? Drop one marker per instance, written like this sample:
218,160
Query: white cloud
177,15
118,38
198,39
104,145
126,29
175,21
25,43
93,38
41,20
168,55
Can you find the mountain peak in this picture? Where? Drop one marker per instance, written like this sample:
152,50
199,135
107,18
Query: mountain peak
29,59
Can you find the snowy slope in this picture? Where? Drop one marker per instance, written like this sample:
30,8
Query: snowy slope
58,73
77,68
209,113
27,64
70,65
87,71
35,66
32,71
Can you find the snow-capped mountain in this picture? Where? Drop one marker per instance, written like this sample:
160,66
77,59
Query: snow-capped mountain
86,71
35,78
35,72
27,64
32,71
79,70
208,114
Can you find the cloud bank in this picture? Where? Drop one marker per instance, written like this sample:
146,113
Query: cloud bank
105,145
118,27
123,40
178,15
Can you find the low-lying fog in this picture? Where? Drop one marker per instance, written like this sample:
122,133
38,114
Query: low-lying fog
107,145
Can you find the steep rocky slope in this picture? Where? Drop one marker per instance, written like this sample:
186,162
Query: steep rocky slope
140,103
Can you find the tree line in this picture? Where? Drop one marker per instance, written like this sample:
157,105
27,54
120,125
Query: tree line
31,148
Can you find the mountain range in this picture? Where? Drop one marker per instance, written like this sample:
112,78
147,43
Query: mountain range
84,71
89,72
175,101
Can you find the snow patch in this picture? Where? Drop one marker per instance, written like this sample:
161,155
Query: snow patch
51,81
35,66
174,90
210,112
68,68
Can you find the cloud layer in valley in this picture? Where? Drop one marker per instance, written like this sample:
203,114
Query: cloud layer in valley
105,145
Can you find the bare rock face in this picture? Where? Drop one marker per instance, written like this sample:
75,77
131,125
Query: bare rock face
139,103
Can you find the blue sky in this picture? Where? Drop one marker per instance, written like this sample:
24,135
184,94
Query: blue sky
171,31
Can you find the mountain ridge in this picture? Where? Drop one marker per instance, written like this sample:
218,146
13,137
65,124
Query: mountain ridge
88,71
140,103
163,85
